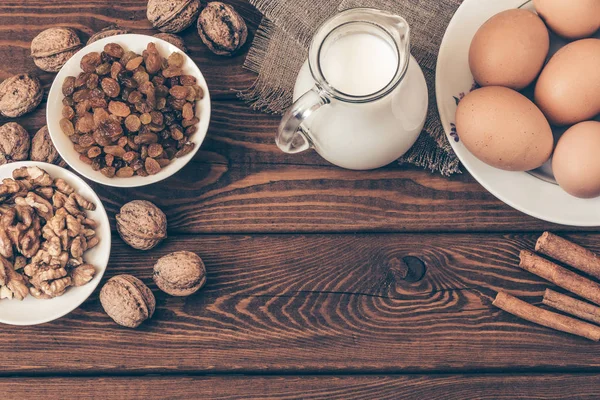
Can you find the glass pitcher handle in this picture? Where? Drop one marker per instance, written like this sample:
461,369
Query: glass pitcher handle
291,138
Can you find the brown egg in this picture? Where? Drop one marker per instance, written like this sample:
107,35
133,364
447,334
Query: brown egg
575,163
571,19
504,129
509,49
568,89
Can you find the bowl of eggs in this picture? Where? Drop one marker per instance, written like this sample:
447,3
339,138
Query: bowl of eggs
518,92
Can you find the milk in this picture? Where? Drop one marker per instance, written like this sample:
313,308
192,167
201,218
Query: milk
359,64
373,134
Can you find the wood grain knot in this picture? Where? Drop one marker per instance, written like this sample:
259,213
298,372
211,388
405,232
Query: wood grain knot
410,269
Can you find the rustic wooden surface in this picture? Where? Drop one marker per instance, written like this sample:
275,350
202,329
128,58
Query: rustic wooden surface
306,291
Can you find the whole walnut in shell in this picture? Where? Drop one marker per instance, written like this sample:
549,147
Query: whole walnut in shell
180,273
175,40
14,143
42,148
19,95
127,300
222,29
112,30
172,15
52,48
141,224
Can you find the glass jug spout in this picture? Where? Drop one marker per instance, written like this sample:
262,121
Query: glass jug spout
391,30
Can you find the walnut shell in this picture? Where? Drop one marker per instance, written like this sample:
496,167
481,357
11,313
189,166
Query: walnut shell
19,95
172,15
222,29
127,300
141,224
180,273
52,48
112,30
175,40
42,148
14,143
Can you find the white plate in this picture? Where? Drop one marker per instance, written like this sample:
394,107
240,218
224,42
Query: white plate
521,190
32,311
137,43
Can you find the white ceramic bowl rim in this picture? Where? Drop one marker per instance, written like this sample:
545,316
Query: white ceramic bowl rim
64,146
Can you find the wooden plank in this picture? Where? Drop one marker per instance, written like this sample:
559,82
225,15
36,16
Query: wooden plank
21,21
432,387
316,303
219,198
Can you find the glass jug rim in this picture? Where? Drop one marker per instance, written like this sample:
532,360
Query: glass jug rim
378,18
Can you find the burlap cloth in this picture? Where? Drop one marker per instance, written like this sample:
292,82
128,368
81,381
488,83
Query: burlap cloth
281,46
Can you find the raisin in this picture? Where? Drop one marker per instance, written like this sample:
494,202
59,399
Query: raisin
67,127
130,156
115,70
86,140
157,117
116,151
190,130
98,103
92,81
83,107
81,79
94,152
125,172
172,71
90,61
129,55
187,111
134,97
199,92
175,60
187,80
153,63
145,118
141,77
137,164
109,159
108,171
119,109
85,159
155,150
185,123
85,123
146,138
68,86
103,69
111,87
134,63
132,123
81,95
114,50
186,149
176,132
68,112
179,92
68,101
100,116
152,166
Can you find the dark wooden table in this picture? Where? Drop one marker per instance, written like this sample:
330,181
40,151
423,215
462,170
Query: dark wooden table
307,294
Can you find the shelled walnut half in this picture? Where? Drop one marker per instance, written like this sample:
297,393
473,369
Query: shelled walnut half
44,233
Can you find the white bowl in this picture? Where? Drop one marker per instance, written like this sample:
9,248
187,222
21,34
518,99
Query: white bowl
32,311
529,192
63,144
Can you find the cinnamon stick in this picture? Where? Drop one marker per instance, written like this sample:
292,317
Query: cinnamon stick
549,319
572,306
560,276
569,253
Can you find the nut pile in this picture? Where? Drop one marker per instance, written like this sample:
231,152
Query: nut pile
130,114
44,232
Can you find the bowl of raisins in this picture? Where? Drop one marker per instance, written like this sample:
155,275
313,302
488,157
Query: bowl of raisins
128,110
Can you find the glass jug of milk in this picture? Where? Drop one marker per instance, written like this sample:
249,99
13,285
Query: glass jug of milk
360,98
